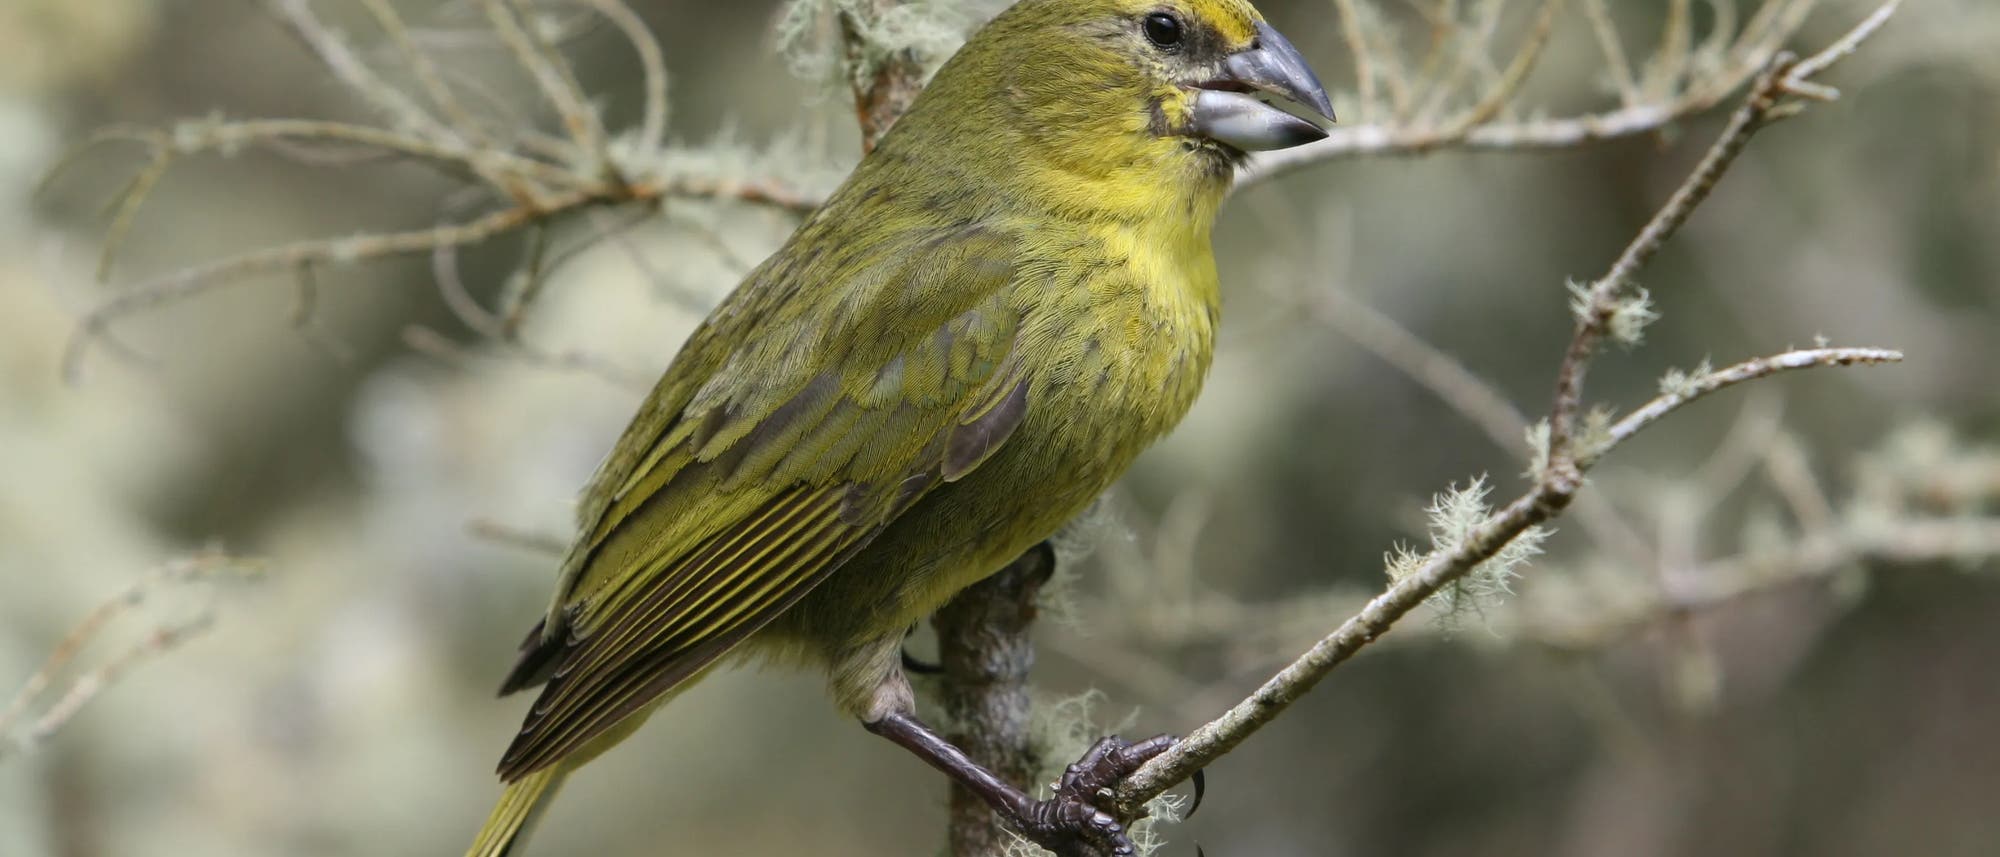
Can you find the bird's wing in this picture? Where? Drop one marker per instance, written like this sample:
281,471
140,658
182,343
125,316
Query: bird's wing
809,427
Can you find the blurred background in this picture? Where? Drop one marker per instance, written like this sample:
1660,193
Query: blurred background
390,469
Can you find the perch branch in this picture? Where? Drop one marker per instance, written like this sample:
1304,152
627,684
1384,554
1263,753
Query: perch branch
984,647
1549,497
1569,457
985,651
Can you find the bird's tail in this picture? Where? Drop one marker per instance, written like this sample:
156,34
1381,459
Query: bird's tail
517,810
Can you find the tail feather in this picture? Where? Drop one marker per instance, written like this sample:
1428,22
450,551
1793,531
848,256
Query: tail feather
519,806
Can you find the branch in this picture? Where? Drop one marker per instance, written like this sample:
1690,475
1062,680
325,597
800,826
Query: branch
1816,557
539,185
985,652
1675,93
554,77
892,83
200,568
1605,310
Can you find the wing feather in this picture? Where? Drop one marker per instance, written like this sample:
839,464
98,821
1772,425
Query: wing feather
735,493
580,704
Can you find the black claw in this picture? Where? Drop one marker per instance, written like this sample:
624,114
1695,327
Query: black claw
917,667
1200,788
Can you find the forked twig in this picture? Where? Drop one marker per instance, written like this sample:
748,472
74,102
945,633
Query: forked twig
538,185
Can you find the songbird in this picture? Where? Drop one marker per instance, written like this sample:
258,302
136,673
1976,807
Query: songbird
1009,298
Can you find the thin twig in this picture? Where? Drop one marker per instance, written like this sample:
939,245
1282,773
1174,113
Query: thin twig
1670,61
1786,465
126,207
1469,395
1456,385
1704,86
487,529
1608,40
532,276
553,76
200,568
93,328
425,71
653,66
1814,557
1357,45
340,60
1748,370
1502,92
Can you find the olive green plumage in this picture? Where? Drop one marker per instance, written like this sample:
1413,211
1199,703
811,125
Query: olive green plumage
1008,300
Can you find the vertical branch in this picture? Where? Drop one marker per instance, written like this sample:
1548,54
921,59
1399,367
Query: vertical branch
983,642
986,653
884,86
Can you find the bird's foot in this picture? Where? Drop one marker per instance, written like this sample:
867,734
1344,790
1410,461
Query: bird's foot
1070,823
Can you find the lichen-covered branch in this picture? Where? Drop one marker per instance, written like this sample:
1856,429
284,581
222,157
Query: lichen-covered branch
1685,78
534,181
984,647
888,84
985,653
1610,308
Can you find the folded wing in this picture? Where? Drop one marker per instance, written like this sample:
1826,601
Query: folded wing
785,437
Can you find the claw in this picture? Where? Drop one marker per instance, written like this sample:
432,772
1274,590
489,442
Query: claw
1200,788
916,667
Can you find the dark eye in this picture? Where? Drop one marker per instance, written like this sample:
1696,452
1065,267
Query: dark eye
1163,29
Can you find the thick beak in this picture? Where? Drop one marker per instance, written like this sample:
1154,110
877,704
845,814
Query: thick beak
1229,109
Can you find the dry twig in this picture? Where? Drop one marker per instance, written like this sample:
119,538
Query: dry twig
540,183
25,737
1684,79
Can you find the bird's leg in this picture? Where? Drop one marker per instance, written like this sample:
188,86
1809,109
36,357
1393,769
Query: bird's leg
1068,823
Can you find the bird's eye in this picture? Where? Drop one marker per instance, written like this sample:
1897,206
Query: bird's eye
1164,30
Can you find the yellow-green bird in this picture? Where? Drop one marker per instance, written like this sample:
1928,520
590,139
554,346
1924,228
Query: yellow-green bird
1008,300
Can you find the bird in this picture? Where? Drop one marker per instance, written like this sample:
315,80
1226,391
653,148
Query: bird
1011,296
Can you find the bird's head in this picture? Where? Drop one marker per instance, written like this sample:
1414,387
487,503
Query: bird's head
1222,77
1107,93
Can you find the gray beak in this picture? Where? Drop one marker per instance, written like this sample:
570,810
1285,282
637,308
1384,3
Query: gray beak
1234,109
